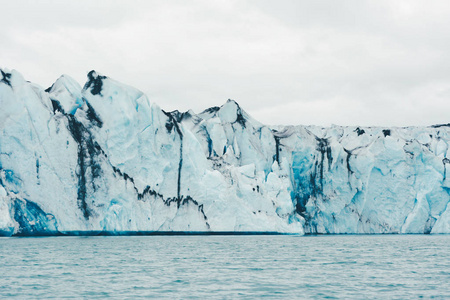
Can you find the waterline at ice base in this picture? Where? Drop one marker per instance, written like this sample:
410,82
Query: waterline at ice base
104,159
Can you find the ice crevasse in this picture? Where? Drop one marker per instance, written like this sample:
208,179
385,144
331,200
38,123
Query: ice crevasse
103,159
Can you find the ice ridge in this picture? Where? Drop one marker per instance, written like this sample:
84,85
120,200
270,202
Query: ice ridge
102,159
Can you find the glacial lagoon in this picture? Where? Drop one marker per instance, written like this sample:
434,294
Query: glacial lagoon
226,267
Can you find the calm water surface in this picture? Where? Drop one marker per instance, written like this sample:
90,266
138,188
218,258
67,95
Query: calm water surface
383,266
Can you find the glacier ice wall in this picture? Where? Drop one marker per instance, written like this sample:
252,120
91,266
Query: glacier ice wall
102,158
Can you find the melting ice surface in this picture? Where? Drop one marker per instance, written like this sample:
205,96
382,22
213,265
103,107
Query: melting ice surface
102,158
227,267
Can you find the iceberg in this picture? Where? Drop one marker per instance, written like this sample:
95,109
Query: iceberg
103,159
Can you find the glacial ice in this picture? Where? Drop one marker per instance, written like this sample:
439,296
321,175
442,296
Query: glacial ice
102,158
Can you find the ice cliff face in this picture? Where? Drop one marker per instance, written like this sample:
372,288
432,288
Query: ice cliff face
103,159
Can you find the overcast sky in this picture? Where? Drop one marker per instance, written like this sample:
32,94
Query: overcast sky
285,62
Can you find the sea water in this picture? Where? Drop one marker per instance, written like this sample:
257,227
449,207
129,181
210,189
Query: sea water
226,267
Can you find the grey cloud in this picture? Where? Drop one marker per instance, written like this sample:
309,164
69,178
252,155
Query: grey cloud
299,62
